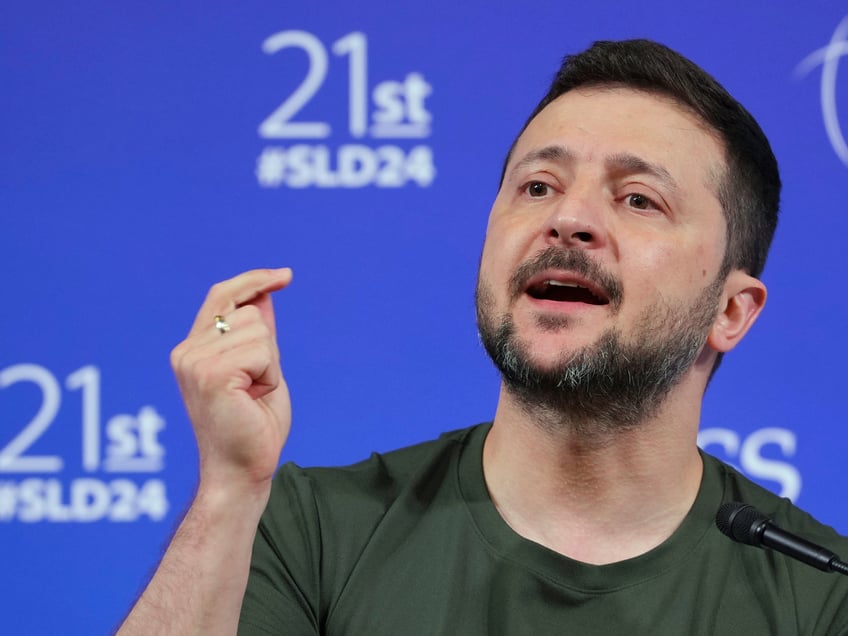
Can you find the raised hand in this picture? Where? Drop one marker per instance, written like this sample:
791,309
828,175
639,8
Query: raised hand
232,384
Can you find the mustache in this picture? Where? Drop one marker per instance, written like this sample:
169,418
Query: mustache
572,260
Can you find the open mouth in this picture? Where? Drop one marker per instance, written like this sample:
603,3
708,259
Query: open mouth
566,292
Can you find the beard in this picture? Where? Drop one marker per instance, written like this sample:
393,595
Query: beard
612,384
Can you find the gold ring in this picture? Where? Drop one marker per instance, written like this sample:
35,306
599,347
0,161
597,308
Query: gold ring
221,325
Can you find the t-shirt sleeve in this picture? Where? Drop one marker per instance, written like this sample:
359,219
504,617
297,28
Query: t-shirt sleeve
282,595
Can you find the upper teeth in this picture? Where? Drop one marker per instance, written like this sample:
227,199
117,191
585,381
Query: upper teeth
561,284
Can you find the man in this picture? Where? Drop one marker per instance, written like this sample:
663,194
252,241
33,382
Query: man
621,261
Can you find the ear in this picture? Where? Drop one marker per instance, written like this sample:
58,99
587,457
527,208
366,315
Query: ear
742,301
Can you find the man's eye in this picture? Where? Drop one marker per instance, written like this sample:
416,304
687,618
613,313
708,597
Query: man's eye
640,202
537,189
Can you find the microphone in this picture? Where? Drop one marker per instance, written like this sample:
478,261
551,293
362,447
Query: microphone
745,524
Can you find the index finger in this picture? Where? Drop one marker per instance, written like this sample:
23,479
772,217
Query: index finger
228,295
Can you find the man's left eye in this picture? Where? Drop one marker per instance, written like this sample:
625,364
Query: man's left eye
640,201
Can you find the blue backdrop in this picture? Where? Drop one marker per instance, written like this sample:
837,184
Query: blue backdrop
151,150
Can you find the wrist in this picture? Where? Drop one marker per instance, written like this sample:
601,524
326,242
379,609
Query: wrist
229,500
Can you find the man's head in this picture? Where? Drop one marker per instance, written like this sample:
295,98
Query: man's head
749,186
634,208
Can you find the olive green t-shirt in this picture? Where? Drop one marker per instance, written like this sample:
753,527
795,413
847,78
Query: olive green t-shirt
409,543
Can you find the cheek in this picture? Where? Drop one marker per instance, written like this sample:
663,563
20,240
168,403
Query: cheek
498,246
694,261
705,264
500,257
507,236
491,263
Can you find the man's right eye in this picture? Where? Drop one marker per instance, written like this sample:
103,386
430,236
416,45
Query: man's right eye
536,189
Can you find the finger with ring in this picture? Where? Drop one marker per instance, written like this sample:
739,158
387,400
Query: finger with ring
221,325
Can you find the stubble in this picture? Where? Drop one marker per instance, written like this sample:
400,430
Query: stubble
613,384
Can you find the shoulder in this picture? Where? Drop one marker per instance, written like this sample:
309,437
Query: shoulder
762,579
381,473
784,513
320,521
357,496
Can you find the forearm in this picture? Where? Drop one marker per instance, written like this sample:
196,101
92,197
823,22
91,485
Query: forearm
199,585
230,378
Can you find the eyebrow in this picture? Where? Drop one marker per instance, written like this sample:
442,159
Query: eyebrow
631,164
623,162
557,154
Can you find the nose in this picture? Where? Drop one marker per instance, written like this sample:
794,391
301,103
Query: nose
577,221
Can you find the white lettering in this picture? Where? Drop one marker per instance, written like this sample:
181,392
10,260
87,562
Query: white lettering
357,166
31,500
354,166
82,500
749,453
149,425
828,56
388,96
726,438
416,91
8,500
278,124
12,458
759,467
89,500
120,431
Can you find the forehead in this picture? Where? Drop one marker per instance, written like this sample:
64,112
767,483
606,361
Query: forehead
595,123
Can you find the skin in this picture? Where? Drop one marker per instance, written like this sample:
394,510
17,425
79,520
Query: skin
239,406
658,228
552,485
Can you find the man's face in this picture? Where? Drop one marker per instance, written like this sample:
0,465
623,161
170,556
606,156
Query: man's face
604,245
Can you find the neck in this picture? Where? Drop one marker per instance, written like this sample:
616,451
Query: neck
568,485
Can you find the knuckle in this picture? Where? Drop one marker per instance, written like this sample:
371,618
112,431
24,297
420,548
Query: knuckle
216,291
193,365
273,351
178,355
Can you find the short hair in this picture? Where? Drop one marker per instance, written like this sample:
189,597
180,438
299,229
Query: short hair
749,189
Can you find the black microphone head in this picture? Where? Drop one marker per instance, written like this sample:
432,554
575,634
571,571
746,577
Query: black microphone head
741,522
